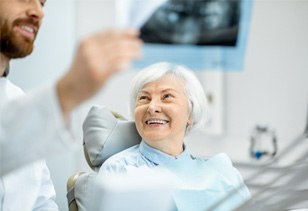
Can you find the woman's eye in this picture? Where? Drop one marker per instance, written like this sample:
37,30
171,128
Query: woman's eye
167,96
142,98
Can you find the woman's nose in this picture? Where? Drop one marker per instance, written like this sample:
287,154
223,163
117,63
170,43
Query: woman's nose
35,10
154,106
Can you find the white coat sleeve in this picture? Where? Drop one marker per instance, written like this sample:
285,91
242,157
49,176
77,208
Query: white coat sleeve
45,200
32,127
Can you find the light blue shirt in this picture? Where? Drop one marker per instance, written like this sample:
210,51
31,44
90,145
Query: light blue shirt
204,182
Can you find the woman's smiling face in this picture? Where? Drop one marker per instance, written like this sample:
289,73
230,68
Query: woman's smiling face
162,114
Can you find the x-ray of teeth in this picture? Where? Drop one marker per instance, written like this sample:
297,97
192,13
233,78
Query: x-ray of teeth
202,34
198,22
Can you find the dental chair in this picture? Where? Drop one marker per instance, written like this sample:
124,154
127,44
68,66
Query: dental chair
103,132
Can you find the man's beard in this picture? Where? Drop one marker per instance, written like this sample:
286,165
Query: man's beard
13,45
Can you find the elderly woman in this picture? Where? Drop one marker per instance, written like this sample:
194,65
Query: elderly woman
168,102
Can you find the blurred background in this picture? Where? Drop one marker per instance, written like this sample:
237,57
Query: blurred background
271,90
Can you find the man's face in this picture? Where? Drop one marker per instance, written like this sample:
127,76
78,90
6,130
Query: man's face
20,21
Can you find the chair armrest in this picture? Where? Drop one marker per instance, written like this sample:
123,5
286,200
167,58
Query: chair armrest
71,201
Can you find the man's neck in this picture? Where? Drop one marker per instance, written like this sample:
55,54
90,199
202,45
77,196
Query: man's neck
4,64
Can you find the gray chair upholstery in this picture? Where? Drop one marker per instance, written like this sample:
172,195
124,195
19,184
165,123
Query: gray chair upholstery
105,133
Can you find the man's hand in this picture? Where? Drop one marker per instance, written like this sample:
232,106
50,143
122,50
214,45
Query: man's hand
97,58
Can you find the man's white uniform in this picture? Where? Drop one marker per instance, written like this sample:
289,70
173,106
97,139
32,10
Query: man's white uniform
33,122
29,187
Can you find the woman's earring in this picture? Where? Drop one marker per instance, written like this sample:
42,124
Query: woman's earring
188,127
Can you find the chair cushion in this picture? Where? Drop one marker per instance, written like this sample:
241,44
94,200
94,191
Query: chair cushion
105,135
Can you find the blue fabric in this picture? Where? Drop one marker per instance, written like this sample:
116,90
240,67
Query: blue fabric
201,182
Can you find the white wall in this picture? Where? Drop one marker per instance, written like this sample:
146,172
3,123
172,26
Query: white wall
272,89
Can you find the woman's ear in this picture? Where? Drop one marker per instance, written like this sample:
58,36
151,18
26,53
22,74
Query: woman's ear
189,122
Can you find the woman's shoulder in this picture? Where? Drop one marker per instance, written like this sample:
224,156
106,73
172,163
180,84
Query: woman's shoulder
118,161
126,154
221,164
220,159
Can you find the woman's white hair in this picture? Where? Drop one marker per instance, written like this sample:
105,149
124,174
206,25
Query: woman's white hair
197,102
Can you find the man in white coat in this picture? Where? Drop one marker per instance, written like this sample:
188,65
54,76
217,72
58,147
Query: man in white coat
32,124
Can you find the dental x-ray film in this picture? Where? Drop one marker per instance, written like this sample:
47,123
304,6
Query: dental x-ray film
201,34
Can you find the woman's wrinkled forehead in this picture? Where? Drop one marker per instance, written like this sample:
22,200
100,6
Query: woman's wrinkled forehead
167,81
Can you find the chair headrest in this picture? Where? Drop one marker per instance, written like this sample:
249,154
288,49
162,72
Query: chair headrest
106,133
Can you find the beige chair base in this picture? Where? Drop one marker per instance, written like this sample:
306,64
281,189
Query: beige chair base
72,205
